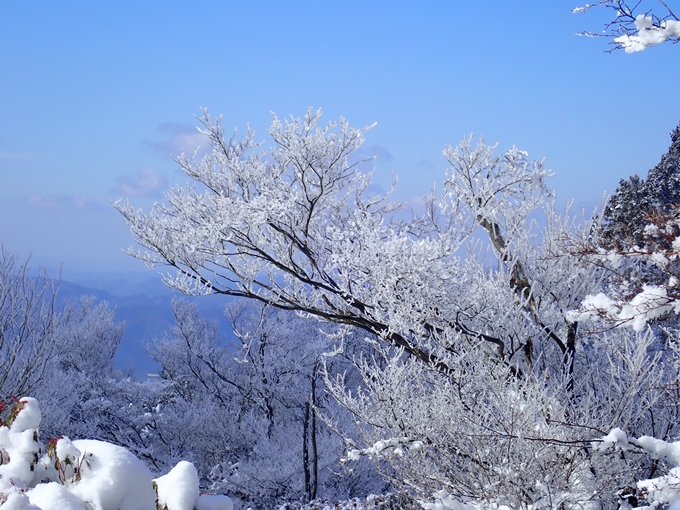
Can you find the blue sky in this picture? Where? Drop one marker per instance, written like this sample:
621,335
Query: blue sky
94,96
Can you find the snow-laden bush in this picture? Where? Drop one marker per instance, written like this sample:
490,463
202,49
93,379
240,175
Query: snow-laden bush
86,474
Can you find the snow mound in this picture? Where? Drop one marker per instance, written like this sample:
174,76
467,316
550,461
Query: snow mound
213,502
19,501
54,496
112,478
178,490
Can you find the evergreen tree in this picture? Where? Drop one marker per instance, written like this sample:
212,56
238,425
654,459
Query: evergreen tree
638,202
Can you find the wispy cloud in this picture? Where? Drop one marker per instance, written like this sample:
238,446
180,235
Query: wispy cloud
177,138
378,151
147,182
61,203
425,165
6,155
417,204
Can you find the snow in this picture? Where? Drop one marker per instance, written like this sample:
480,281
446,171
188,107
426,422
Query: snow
20,445
649,304
616,437
648,35
662,490
87,474
379,447
29,416
444,501
54,496
66,449
213,502
178,490
113,478
658,449
19,501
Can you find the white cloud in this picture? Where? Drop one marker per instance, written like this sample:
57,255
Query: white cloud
147,182
417,204
178,138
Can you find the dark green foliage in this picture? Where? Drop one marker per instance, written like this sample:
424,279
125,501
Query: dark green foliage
637,202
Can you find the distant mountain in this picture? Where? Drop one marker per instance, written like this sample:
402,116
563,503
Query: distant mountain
69,290
145,308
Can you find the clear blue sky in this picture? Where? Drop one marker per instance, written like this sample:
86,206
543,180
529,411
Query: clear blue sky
95,95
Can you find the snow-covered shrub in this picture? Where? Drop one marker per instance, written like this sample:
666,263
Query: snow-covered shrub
19,449
85,474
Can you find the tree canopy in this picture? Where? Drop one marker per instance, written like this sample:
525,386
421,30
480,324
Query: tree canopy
467,309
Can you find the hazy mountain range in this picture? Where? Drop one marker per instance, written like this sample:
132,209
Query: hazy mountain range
144,305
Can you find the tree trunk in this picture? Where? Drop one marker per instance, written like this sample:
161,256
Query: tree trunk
315,458
305,451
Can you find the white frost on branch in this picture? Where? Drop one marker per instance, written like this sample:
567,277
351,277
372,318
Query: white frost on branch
635,26
393,445
464,307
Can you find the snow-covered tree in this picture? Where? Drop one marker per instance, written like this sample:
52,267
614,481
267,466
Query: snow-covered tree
637,245
28,325
63,354
639,202
635,26
247,415
86,338
473,369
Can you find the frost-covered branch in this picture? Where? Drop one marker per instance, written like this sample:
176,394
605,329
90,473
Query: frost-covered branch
650,493
637,26
28,326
